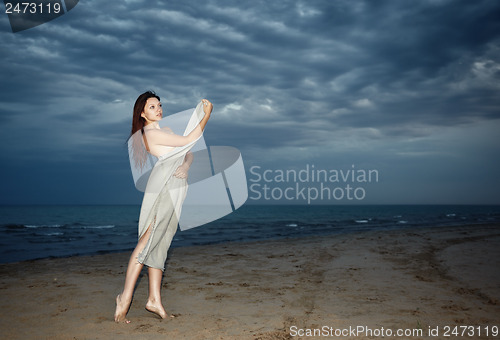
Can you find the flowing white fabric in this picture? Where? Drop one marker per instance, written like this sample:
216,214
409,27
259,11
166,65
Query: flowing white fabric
163,199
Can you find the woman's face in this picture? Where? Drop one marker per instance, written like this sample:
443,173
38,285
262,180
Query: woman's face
152,110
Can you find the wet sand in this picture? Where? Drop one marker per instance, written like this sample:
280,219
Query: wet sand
405,279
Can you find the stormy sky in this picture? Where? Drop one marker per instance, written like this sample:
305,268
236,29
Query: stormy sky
409,88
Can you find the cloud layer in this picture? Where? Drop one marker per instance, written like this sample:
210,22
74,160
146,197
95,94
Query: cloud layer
408,88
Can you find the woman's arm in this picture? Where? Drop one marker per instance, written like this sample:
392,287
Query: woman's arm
188,160
163,138
182,170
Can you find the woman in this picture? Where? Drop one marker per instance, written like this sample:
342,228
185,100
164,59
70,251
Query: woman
162,200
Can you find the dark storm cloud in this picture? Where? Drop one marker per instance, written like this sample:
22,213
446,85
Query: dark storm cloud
296,79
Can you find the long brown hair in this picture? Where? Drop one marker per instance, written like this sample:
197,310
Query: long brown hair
138,123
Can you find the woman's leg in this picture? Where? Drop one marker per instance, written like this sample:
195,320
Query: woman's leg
154,304
134,268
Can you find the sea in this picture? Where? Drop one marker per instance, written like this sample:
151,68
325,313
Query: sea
36,231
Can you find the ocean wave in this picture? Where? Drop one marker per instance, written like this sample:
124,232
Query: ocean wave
50,234
73,226
98,226
35,226
31,226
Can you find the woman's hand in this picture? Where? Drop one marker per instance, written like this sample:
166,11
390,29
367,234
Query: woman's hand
207,106
182,171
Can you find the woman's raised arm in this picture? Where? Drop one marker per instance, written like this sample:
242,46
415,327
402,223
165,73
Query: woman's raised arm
160,137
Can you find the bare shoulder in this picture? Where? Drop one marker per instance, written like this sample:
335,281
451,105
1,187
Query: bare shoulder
157,135
167,130
162,131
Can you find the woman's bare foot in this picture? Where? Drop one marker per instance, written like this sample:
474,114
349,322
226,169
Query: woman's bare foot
157,308
121,309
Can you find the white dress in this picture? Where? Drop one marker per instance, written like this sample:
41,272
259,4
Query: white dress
163,198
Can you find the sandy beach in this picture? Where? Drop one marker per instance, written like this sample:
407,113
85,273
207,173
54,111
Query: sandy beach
421,279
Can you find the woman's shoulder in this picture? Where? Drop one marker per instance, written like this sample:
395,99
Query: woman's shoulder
167,130
159,136
162,130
